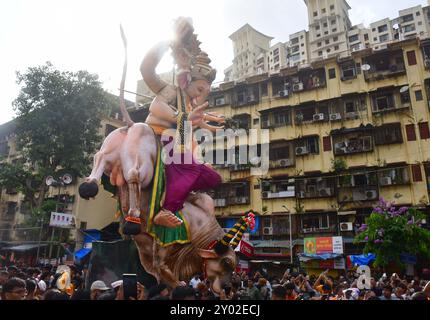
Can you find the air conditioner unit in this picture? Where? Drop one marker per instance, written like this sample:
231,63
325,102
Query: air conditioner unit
380,47
352,115
335,117
265,195
284,93
220,101
250,98
284,163
267,231
301,151
346,226
298,87
371,194
308,230
385,181
220,202
325,192
318,117
240,200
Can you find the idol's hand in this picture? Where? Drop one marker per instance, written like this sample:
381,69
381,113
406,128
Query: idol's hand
197,115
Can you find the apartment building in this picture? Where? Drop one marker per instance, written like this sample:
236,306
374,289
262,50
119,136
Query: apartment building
328,26
341,137
248,45
277,58
298,49
358,38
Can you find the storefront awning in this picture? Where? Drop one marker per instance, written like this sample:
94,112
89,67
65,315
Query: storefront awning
362,260
82,253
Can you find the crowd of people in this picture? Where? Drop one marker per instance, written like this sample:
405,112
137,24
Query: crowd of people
41,284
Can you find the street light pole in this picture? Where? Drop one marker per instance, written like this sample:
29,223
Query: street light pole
291,234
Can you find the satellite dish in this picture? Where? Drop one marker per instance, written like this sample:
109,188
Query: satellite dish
365,67
404,89
396,26
49,181
67,178
255,161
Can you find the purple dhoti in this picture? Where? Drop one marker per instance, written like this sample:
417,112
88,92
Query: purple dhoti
181,179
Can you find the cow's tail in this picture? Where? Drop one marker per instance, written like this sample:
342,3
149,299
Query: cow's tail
124,112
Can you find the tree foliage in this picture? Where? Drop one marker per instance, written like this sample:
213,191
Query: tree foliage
58,120
390,232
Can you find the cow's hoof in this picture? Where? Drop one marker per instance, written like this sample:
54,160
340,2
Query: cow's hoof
88,190
131,228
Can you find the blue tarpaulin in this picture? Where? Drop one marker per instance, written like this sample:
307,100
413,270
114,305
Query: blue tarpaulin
82,253
362,260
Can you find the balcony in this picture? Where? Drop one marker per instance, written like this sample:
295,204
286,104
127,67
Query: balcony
353,141
384,65
394,177
311,188
229,194
280,154
246,95
358,187
425,47
277,189
275,118
386,100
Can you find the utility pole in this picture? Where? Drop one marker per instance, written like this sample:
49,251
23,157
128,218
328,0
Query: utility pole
291,234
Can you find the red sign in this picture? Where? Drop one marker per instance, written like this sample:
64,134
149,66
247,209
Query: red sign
247,249
325,245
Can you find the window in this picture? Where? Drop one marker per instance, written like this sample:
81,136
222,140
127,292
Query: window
388,134
327,144
307,146
323,10
353,38
327,41
318,35
336,48
410,132
384,38
383,101
366,37
317,28
326,32
334,30
333,22
11,208
418,13
325,24
335,39
320,53
332,73
315,223
382,28
409,28
409,17
319,44
263,89
332,7
424,130
412,59
348,71
418,95
315,13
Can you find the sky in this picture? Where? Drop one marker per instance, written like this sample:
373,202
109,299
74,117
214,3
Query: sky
84,34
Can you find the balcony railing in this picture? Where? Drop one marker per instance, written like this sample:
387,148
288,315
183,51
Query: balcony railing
393,70
360,145
358,194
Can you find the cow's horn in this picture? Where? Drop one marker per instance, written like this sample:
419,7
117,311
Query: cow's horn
239,236
222,245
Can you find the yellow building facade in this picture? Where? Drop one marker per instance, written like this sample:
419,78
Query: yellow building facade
343,134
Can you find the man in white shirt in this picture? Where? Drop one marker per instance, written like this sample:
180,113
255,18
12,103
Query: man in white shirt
195,281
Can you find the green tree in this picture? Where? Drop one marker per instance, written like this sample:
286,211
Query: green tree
390,232
58,119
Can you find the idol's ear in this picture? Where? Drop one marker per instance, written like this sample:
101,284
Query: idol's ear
207,254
